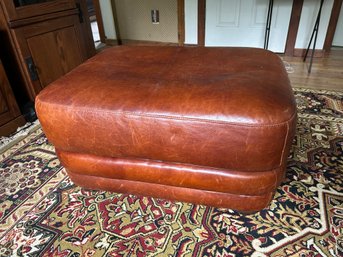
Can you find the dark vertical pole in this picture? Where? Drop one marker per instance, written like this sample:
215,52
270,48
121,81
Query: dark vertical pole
268,23
315,34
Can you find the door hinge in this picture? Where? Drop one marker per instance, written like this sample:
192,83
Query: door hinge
78,6
31,68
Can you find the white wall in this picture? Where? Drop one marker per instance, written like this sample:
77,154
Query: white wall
107,18
307,21
140,26
191,21
134,18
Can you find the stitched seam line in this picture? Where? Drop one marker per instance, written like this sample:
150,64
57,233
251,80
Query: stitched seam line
89,176
284,144
171,163
154,116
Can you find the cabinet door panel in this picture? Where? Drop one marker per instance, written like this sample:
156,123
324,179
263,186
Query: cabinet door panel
8,106
47,40
3,104
55,53
55,46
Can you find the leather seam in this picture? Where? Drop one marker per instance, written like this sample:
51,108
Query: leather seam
173,186
147,115
215,169
284,144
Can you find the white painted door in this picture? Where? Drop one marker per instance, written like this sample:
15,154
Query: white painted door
307,21
243,22
338,38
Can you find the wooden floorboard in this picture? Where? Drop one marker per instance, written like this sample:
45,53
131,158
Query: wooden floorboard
327,72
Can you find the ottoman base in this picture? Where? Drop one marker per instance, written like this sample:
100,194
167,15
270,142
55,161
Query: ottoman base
159,179
209,198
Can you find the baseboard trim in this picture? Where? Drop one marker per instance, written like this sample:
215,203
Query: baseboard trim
114,42
300,52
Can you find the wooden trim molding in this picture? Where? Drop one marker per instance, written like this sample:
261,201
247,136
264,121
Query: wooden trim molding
114,42
300,52
24,22
111,42
293,27
336,8
201,22
181,22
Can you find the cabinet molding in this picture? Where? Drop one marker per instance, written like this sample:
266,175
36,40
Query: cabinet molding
16,13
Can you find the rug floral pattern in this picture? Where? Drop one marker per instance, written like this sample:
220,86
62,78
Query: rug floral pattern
42,213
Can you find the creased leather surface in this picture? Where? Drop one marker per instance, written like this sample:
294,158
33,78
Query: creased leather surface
174,174
215,108
217,199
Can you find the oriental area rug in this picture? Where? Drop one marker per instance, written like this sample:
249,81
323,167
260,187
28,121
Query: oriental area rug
42,213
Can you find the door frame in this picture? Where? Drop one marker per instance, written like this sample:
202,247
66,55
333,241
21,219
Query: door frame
336,8
181,21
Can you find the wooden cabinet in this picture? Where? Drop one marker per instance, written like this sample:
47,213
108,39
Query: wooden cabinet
50,49
10,116
47,39
18,9
61,35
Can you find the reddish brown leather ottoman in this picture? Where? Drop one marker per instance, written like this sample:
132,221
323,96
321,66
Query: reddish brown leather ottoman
204,125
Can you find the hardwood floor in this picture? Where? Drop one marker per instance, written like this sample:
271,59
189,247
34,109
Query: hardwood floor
327,72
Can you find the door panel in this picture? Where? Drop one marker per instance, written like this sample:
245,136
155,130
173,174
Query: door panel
242,23
66,55
228,13
8,107
55,47
3,104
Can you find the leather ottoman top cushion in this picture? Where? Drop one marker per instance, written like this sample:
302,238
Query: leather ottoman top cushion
128,101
